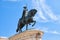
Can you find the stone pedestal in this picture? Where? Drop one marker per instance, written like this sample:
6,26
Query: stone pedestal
28,35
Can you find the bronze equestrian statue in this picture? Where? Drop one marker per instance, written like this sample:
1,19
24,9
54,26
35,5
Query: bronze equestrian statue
27,18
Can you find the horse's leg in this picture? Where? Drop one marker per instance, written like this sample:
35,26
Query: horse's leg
21,26
34,23
29,24
26,26
20,30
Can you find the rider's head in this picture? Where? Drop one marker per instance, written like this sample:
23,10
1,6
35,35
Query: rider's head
25,7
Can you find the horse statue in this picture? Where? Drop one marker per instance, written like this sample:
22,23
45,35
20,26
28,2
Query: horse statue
29,19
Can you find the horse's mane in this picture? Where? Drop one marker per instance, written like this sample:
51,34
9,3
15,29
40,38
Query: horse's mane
32,12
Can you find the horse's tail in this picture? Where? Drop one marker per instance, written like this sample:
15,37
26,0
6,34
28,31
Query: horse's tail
17,30
17,27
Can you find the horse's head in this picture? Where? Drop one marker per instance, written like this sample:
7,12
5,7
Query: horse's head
32,12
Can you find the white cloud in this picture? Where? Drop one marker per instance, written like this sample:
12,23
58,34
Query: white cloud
2,37
46,30
48,11
44,9
40,13
54,32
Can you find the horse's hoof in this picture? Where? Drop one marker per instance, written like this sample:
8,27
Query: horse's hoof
32,25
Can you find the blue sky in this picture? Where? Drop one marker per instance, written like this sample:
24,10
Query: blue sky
47,17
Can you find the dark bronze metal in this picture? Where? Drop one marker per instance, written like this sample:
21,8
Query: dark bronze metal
25,20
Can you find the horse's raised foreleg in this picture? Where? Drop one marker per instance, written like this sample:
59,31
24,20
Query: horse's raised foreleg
34,23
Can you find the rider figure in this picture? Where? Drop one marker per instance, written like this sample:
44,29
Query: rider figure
25,12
